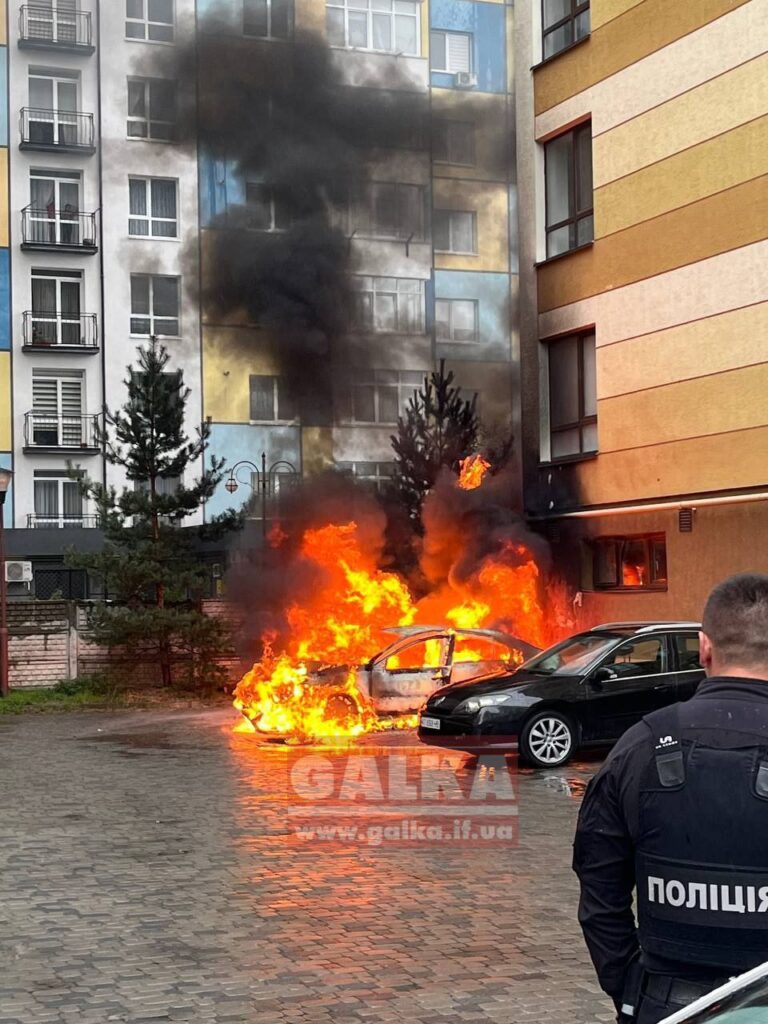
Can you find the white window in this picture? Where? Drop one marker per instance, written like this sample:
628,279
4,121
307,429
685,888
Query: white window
380,396
57,419
53,118
450,51
269,401
454,231
154,305
150,20
153,212
55,317
388,25
264,210
389,304
52,21
151,109
382,209
267,19
54,209
456,320
453,142
377,475
58,499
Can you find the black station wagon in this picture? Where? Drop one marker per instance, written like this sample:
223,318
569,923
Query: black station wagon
585,691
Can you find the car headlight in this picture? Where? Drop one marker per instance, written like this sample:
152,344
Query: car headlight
473,704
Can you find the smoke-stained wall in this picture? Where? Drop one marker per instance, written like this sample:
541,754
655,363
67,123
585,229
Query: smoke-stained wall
6,387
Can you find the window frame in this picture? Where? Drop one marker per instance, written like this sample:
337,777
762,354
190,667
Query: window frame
61,479
343,5
270,34
457,341
450,213
409,329
271,202
361,205
149,217
577,9
151,316
147,118
145,21
276,400
378,480
445,124
584,420
575,216
652,542
469,36
57,316
375,378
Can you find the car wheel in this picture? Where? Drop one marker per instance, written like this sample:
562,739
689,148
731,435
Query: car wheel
548,740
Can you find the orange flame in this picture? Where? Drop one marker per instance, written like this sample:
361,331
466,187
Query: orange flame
472,471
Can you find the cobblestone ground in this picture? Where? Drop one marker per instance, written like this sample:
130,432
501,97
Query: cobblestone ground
147,874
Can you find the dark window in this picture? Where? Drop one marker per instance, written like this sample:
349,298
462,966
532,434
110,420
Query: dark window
686,646
642,656
151,109
453,142
454,231
264,210
563,22
572,396
154,305
267,19
568,168
269,401
630,563
150,20
383,209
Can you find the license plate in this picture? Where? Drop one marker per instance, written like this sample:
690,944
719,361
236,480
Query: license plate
429,723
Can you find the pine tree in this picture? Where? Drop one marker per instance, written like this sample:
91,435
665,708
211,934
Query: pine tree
439,428
149,564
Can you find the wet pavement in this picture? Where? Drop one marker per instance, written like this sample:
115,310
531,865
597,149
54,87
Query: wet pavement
150,871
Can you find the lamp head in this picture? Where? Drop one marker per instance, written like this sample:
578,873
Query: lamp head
231,485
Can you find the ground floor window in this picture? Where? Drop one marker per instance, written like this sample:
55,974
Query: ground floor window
630,563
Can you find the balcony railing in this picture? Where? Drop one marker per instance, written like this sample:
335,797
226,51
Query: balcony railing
36,521
42,28
67,230
65,131
60,331
44,430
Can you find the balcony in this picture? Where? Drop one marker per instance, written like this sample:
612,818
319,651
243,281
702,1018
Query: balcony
62,332
56,131
41,28
54,522
65,230
47,432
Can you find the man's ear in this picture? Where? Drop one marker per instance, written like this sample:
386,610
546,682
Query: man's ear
705,652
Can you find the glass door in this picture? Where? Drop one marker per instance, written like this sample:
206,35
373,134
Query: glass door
53,114
55,211
56,311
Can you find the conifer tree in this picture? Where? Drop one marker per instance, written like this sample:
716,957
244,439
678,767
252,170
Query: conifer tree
150,566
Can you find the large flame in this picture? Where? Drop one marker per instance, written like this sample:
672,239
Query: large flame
472,471
339,622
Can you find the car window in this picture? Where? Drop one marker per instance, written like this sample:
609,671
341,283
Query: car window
422,654
746,1006
570,657
686,647
643,656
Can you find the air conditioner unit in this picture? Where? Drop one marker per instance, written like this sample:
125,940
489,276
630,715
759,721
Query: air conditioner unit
18,572
465,80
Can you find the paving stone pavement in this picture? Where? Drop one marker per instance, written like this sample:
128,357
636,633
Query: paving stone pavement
148,874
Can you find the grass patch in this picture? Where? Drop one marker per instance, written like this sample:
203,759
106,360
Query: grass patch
68,695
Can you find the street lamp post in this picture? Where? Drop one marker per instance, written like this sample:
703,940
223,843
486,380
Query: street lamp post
5,480
265,480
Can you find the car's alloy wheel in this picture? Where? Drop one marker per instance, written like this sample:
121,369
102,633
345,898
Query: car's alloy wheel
548,740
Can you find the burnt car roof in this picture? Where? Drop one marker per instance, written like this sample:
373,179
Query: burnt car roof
435,632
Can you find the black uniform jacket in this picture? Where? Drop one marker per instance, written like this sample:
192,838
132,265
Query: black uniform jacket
604,847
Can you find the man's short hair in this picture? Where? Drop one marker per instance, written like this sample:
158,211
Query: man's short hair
736,620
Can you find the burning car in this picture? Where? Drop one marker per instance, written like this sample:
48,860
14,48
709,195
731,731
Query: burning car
402,675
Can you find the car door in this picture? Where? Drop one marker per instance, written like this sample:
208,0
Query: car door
685,660
633,680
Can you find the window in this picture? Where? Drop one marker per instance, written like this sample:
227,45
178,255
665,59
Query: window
388,305
151,109
54,214
152,208
686,647
53,115
454,231
265,211
456,320
568,168
450,51
563,22
572,395
389,25
57,409
630,563
376,475
642,656
154,305
267,19
269,401
56,308
453,142
380,396
54,20
58,500
150,20
388,210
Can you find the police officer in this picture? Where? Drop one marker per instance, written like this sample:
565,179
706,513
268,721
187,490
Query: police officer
679,811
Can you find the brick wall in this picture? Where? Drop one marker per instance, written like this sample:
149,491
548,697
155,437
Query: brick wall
42,645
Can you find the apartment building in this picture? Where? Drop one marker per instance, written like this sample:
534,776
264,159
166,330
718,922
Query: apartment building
642,160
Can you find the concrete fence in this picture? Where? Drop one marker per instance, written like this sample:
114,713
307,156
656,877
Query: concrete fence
49,641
